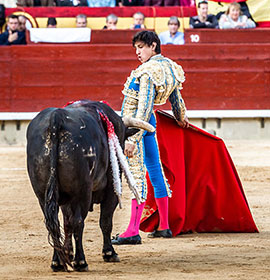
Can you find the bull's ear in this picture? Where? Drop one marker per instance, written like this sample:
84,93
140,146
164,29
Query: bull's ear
130,132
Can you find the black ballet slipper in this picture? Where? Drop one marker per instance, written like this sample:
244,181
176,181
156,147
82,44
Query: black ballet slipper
131,240
165,233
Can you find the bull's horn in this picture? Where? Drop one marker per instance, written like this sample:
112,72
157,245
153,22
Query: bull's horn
133,122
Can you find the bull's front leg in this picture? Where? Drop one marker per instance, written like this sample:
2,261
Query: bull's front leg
106,215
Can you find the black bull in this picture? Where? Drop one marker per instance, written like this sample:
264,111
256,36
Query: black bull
69,167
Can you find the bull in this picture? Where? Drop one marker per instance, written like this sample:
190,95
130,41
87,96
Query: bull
69,168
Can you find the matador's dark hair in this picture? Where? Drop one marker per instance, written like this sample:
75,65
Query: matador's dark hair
147,37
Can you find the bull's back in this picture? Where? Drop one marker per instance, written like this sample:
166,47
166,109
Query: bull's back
81,152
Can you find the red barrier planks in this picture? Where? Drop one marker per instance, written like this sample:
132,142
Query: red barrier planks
218,76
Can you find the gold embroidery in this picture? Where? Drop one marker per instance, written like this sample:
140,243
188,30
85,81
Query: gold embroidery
165,74
151,83
147,212
153,69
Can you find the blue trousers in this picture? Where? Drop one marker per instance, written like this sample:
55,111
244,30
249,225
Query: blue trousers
153,163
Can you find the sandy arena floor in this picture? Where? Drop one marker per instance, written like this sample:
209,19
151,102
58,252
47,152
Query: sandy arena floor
26,254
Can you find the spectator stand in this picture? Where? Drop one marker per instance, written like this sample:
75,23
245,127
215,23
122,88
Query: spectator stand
156,18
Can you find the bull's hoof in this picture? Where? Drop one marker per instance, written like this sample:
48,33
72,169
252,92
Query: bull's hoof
71,257
81,266
57,267
110,257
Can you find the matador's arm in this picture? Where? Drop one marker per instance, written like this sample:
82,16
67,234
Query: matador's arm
178,104
145,103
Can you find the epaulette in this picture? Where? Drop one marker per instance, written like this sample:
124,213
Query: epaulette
178,72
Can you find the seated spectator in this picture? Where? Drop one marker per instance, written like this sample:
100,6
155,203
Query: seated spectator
81,20
35,3
101,3
138,21
51,23
234,19
111,22
172,36
122,3
203,19
22,23
12,36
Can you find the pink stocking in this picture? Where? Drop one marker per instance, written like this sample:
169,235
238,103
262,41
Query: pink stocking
134,223
163,209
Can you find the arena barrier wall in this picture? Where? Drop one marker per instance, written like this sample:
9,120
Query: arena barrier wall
219,77
227,124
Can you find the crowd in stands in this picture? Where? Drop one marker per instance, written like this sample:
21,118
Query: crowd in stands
232,18
13,35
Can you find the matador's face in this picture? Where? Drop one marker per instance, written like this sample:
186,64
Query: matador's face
144,52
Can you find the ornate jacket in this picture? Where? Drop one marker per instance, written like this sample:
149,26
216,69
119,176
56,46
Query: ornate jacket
152,83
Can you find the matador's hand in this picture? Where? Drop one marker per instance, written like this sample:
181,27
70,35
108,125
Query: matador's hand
129,149
184,123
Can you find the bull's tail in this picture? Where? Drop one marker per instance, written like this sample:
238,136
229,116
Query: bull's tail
51,209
